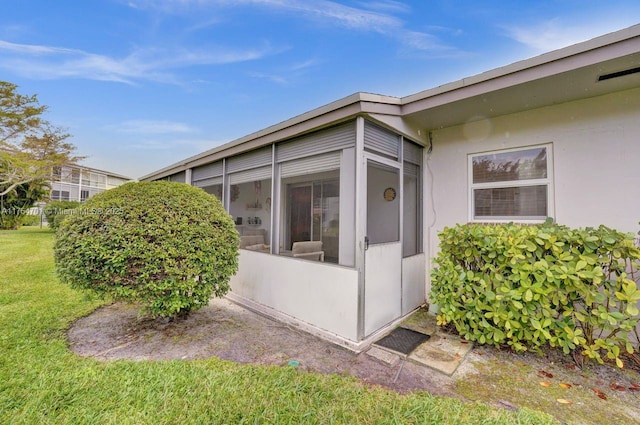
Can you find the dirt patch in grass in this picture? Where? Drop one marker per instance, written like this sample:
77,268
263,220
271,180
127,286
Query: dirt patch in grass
551,383
230,332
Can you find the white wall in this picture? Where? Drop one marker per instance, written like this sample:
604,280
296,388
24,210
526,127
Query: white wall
413,279
322,295
596,155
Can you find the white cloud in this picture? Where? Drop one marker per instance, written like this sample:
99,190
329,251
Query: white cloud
35,49
337,13
386,5
422,41
374,16
151,127
269,77
49,62
323,9
182,147
557,33
303,65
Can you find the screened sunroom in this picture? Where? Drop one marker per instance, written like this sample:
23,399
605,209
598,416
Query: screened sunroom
329,204
329,224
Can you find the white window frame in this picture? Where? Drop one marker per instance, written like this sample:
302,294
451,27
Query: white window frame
548,181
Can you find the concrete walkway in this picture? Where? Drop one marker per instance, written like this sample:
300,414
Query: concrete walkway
441,352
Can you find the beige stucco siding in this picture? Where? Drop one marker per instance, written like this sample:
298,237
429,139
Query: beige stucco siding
596,161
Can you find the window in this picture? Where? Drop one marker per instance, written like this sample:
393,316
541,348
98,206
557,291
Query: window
75,175
64,195
57,174
513,184
115,181
84,195
250,206
312,212
215,190
411,236
383,203
66,175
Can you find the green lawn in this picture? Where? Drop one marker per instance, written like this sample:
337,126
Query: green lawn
42,382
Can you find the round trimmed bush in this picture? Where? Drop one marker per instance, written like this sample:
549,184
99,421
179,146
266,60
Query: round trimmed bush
168,246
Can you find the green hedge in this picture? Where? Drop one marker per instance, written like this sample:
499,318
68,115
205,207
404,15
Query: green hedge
55,211
167,246
532,286
31,220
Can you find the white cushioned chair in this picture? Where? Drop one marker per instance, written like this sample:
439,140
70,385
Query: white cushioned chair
308,250
246,241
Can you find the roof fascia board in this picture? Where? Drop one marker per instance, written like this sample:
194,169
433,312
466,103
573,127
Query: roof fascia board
315,119
599,49
399,125
590,52
248,142
107,173
314,124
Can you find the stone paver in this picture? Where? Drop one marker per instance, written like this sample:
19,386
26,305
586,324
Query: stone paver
384,356
443,353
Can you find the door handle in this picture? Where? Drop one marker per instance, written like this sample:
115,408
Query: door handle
366,243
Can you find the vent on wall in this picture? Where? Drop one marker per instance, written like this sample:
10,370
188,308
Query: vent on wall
619,74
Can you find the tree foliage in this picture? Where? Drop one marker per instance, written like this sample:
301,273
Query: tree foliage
15,205
30,146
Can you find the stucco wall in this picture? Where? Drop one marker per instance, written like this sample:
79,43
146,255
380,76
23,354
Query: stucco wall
596,161
319,294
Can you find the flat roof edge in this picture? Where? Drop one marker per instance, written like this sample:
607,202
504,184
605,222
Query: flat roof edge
107,173
325,110
362,101
535,61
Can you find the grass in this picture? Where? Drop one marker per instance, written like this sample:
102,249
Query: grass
42,382
519,383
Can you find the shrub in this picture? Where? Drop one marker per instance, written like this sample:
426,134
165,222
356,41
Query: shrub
168,246
31,220
528,286
60,216
56,209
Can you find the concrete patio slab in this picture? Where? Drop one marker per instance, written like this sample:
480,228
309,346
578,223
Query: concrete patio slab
384,356
443,353
421,321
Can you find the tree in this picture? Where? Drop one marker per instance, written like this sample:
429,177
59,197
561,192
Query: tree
15,205
167,246
30,146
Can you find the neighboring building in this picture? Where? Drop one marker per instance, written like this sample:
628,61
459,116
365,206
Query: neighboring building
79,183
367,182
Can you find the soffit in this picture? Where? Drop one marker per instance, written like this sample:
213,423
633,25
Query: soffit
563,80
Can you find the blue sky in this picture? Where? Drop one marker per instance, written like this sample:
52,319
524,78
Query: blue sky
141,84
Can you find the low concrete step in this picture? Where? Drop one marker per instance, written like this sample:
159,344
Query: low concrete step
443,353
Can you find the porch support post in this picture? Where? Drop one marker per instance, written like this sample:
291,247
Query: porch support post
275,201
361,222
187,176
225,185
80,185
